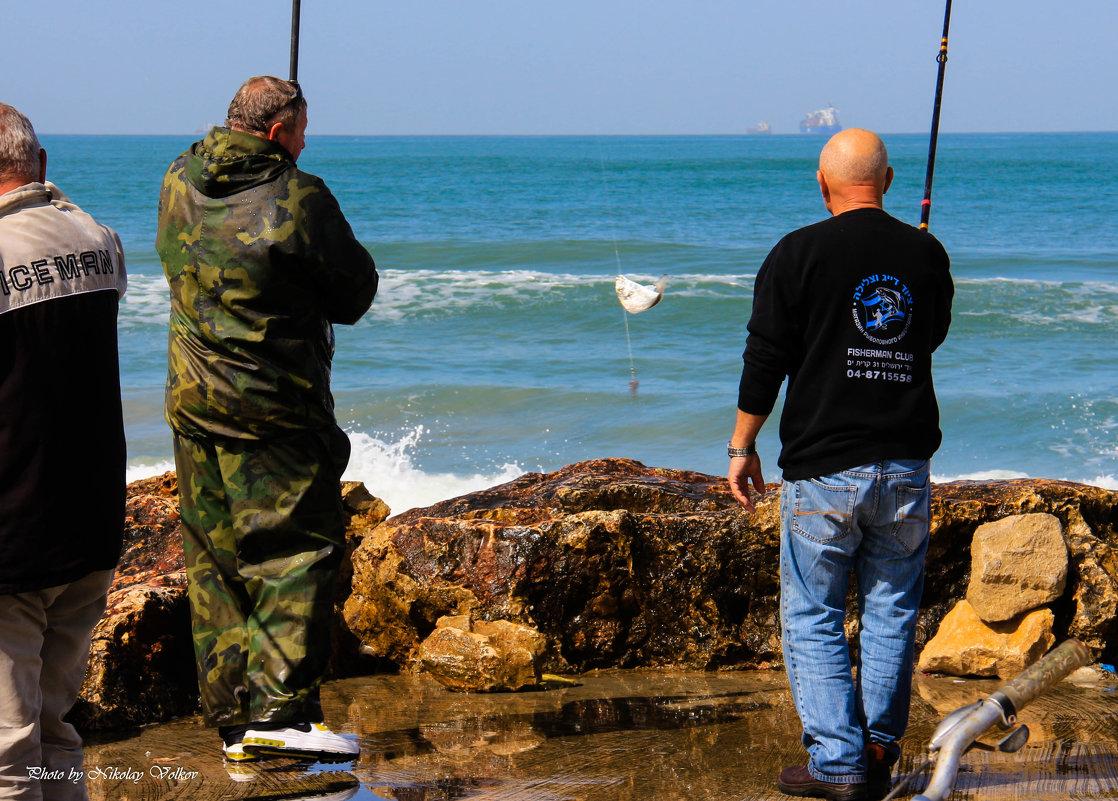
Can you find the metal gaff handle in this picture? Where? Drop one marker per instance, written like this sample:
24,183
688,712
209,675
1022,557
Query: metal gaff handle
1042,674
1001,707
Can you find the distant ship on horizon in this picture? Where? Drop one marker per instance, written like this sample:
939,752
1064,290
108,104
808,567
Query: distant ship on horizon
823,121
760,129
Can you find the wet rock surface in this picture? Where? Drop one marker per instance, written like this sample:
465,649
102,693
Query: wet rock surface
622,565
483,656
141,662
614,563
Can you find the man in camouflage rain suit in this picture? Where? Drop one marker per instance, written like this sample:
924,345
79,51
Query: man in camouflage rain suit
260,262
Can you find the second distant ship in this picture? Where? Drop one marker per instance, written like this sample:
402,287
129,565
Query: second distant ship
823,121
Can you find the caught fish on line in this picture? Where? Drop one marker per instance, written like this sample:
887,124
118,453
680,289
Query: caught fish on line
636,297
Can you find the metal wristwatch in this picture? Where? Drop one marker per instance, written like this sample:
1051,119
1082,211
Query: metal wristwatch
748,450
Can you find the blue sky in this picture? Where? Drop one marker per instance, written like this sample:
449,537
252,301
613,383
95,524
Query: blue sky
570,67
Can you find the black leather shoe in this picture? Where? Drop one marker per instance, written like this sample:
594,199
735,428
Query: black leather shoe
798,781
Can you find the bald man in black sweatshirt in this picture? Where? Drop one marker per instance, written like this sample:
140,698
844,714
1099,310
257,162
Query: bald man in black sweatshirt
849,310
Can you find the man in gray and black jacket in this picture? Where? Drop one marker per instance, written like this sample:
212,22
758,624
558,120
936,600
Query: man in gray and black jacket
62,461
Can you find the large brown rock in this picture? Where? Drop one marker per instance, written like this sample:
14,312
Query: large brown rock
483,656
616,564
622,565
1093,607
1088,515
1018,563
141,662
966,645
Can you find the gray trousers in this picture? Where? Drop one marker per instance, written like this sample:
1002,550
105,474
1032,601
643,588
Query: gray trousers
44,652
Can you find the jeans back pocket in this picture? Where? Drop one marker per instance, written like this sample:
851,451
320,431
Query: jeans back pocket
910,526
822,511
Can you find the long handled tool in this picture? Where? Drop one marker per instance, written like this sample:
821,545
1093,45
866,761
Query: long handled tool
960,730
926,206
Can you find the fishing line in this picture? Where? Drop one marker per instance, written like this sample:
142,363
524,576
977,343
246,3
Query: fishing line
633,382
905,783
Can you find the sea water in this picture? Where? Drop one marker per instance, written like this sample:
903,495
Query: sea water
497,346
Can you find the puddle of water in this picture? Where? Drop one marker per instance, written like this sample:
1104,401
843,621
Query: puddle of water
616,734
652,735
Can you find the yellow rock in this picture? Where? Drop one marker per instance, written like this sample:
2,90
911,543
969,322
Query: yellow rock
967,646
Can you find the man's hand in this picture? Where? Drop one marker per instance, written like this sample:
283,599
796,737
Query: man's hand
744,469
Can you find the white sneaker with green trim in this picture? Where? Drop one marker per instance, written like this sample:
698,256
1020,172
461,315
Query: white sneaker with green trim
300,740
234,752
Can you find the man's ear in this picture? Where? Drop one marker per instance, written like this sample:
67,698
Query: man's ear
823,188
274,131
42,165
888,180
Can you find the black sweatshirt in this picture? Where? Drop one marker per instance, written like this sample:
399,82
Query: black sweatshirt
850,309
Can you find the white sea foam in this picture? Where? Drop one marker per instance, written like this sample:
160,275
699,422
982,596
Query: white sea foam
1006,281
146,470
1001,281
146,302
1106,482
407,292
423,291
980,475
1039,303
388,470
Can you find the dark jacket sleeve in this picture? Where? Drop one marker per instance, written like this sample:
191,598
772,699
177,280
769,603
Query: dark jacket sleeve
346,275
946,295
773,341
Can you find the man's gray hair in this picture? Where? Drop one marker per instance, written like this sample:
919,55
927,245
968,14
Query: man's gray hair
19,146
263,101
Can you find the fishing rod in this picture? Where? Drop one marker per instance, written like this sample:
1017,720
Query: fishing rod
926,205
295,42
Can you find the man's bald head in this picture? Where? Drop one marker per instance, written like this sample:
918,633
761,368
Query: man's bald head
854,170
855,156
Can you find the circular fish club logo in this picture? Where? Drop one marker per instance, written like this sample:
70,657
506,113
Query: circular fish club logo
882,309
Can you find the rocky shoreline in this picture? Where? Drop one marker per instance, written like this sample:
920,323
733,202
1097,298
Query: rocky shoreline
604,563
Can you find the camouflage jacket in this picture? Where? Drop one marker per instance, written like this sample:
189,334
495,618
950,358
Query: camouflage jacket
260,261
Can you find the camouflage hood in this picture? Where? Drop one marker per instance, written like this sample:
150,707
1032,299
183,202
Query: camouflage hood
227,162
260,263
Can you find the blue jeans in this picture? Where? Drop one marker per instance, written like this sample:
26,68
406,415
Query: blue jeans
872,521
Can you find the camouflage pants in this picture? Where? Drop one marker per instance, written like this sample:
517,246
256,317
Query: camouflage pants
263,535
